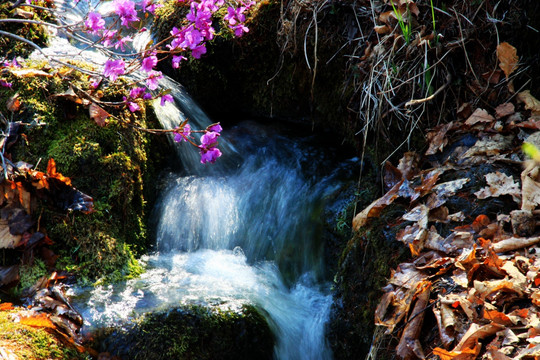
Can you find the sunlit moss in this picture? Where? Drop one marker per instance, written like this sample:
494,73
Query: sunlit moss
33,343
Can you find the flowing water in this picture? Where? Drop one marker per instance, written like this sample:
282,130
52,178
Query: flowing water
245,230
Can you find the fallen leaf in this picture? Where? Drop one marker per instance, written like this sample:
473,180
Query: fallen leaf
9,274
515,243
40,320
479,116
382,29
531,103
508,59
503,110
409,338
375,208
51,171
437,138
99,115
27,72
23,13
500,184
8,240
530,191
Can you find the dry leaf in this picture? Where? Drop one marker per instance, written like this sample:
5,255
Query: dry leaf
409,340
99,115
23,13
508,59
375,208
39,320
437,138
531,103
7,240
500,184
479,116
382,29
515,243
503,110
29,72
530,191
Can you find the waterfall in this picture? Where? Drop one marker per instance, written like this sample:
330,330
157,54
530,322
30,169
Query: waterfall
245,230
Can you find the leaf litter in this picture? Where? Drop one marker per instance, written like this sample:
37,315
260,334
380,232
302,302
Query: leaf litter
478,279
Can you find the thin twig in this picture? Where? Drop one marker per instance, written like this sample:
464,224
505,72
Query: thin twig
421,101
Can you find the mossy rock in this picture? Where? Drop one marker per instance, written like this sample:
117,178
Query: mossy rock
191,332
116,165
363,270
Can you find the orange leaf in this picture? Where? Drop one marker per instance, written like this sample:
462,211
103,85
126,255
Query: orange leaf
456,304
480,222
40,320
508,59
497,317
6,306
51,171
537,281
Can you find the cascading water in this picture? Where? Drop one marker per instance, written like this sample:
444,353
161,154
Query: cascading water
235,236
244,230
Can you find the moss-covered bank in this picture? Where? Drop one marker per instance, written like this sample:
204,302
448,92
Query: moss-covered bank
192,332
116,165
21,341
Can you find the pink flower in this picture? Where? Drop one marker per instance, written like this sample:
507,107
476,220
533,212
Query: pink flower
113,68
240,29
198,51
148,5
182,134
176,61
108,36
215,128
148,63
209,155
209,139
125,9
136,92
122,42
94,22
152,80
165,98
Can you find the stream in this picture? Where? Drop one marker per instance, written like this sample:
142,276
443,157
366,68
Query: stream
244,230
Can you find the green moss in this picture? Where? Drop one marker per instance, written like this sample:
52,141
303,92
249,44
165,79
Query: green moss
109,163
30,274
33,343
11,48
192,332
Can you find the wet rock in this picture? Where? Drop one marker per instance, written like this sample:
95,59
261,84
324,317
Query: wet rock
191,332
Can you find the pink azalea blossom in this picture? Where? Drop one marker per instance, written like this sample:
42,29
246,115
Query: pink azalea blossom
148,63
108,36
176,60
209,155
215,128
113,68
94,22
136,92
122,42
198,51
152,80
125,9
182,134
165,98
